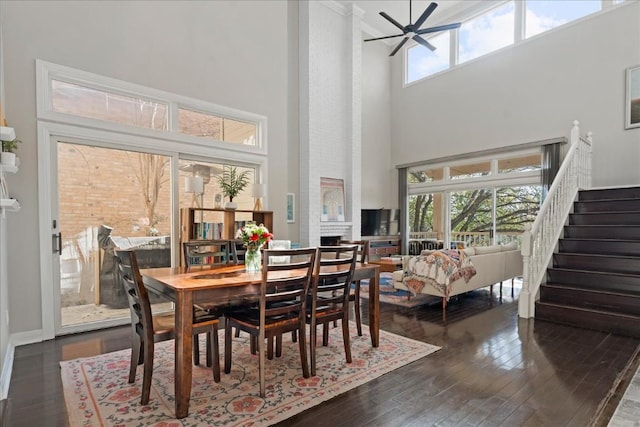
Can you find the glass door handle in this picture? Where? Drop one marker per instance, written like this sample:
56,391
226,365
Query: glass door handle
57,243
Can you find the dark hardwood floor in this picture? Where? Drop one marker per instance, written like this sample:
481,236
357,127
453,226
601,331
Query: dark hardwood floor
494,369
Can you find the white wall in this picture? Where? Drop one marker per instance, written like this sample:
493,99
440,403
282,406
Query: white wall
530,92
4,280
379,176
226,52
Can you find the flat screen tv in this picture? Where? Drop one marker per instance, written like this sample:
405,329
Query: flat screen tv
379,222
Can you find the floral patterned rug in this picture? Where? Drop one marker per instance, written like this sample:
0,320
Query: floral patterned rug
97,393
391,295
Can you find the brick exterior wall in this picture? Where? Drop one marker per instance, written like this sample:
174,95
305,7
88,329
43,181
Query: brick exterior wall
98,186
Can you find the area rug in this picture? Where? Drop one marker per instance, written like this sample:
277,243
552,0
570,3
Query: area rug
391,295
97,393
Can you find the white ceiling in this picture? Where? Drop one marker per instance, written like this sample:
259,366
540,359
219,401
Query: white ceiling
399,10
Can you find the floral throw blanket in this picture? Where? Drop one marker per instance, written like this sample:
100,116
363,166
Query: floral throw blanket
439,269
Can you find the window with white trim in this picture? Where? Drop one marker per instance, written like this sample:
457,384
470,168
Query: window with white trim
475,202
486,31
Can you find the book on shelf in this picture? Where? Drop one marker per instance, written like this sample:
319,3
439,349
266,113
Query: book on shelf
208,230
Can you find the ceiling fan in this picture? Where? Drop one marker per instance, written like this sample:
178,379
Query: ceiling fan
413,31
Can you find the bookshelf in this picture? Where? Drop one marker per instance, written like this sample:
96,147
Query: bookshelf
206,223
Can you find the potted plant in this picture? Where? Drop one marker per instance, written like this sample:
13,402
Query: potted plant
8,155
232,183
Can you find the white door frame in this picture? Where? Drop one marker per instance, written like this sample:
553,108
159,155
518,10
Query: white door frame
48,136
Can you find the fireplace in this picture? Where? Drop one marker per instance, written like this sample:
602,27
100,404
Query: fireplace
330,240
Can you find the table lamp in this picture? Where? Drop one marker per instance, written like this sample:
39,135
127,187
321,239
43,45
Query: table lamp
258,191
195,185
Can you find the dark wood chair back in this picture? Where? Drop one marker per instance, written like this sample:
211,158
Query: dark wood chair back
207,253
148,329
283,297
333,275
329,298
363,248
363,257
137,295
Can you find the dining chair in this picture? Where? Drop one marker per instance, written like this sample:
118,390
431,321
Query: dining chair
237,251
207,253
354,295
212,254
147,329
329,296
283,297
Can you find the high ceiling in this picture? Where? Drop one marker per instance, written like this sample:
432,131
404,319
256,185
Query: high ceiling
399,10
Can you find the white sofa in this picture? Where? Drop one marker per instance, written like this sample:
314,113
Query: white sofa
493,264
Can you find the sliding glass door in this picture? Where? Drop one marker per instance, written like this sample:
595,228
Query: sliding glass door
107,198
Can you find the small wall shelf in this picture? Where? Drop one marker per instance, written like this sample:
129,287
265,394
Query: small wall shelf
10,205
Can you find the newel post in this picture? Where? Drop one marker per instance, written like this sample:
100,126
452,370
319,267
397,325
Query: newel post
589,157
524,304
574,136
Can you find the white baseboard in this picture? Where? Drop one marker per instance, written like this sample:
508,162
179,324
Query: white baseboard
20,338
29,337
5,378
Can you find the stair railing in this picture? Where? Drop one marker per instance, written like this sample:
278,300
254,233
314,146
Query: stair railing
540,239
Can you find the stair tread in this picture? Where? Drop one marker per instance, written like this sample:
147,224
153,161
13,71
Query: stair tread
626,199
605,255
603,225
590,310
557,285
606,212
584,239
604,273
615,199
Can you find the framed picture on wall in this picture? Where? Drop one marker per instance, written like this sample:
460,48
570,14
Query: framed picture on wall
332,199
291,207
632,113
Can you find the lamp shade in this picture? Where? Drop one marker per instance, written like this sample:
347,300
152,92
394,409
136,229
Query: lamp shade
194,184
258,190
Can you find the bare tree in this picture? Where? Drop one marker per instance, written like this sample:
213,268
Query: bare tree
150,174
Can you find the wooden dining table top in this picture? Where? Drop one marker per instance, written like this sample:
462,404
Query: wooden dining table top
180,279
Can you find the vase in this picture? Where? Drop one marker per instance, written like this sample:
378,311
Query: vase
252,260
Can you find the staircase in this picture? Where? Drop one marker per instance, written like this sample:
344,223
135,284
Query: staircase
595,279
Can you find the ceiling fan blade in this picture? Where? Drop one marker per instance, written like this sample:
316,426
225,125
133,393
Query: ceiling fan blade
427,12
424,43
439,28
397,48
393,21
382,38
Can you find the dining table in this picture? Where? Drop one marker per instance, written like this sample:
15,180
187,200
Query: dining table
225,286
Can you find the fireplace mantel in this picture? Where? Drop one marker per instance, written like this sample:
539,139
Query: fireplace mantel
336,229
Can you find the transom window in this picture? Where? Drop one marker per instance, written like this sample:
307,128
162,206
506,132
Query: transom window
491,29
75,96
84,101
543,15
487,32
215,127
